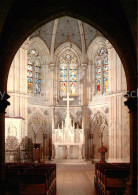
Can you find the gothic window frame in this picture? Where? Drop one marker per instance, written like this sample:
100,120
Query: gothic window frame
101,72
34,72
67,56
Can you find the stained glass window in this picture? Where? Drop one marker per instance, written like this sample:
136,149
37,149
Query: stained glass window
68,61
106,75
102,72
98,76
30,76
34,72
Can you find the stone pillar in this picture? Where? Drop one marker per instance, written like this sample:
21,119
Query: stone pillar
93,88
17,87
84,107
52,78
131,103
45,136
3,104
43,81
118,115
91,146
52,102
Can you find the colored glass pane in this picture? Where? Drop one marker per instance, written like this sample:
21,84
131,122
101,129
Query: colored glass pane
98,76
98,85
34,71
68,60
106,75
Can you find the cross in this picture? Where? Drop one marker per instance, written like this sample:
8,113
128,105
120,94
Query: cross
68,98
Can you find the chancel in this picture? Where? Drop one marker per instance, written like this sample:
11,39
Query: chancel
68,141
67,85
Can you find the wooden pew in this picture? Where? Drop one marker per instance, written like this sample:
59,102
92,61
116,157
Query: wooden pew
33,183
110,177
14,170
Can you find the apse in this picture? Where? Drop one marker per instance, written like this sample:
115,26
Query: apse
67,86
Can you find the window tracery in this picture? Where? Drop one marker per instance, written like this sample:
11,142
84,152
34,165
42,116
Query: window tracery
68,60
34,72
102,72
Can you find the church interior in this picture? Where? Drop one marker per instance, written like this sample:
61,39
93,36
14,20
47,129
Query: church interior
67,85
68,125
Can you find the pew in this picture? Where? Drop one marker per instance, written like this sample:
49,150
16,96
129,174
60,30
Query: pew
33,183
17,175
111,177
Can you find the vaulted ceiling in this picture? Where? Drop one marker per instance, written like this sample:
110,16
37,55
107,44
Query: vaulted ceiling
66,29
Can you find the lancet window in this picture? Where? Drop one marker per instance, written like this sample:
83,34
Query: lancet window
34,72
102,72
68,72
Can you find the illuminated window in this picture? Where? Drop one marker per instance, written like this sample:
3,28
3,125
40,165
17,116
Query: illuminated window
34,72
102,72
68,61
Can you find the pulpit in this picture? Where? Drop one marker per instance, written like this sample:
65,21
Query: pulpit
102,150
36,152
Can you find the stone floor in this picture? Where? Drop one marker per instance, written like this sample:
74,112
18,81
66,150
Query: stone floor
75,179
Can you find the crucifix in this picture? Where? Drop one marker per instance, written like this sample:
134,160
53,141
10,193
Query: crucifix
67,120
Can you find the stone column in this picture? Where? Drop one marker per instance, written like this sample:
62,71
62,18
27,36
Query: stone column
118,116
90,146
84,107
131,103
43,81
52,78
52,102
45,136
93,88
3,104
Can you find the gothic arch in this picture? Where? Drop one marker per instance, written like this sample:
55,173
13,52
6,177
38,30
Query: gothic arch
98,134
37,120
94,47
98,120
63,116
65,46
121,33
41,46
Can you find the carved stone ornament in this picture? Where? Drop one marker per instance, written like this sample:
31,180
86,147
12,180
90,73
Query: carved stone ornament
131,102
84,67
51,67
3,102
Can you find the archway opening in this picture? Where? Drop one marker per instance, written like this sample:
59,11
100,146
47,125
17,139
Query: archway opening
70,66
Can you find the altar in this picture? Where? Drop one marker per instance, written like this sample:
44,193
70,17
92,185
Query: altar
68,141
68,144
68,151
68,138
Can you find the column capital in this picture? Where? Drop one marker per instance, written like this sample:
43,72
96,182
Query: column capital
52,66
3,102
131,102
84,67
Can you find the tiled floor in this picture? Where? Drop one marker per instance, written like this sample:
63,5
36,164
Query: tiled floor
75,180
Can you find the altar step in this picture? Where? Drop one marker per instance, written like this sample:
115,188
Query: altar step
71,162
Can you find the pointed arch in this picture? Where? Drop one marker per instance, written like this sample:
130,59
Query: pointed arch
99,120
